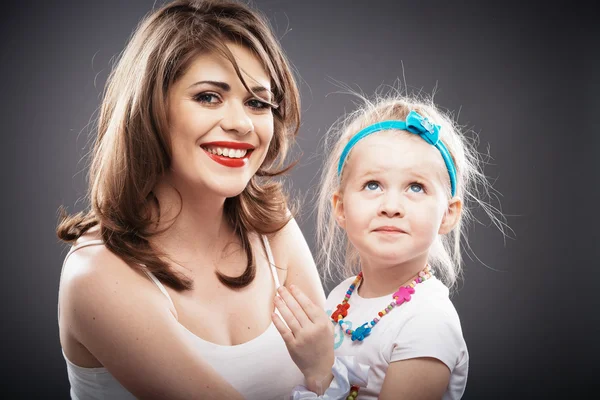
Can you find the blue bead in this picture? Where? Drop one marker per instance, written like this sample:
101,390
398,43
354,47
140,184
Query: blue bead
361,332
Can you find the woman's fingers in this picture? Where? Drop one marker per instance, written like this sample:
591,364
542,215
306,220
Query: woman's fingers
292,323
284,331
295,307
314,313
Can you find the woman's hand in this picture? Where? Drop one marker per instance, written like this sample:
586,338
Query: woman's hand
308,336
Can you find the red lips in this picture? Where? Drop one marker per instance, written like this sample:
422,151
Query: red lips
227,161
229,145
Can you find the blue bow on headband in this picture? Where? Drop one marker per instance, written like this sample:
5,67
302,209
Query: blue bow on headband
421,126
415,123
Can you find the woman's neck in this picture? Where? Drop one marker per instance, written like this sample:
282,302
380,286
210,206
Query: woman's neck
381,280
193,224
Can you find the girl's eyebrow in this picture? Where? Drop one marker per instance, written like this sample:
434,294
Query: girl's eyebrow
421,175
370,172
417,172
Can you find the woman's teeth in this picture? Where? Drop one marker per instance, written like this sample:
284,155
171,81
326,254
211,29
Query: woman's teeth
231,153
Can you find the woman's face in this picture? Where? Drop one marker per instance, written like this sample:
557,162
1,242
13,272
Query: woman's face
220,132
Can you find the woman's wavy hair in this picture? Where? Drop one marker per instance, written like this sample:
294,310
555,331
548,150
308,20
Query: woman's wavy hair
132,148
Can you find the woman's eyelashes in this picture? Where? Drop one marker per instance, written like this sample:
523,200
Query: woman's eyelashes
207,98
259,104
210,98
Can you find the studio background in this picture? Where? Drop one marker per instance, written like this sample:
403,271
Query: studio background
522,75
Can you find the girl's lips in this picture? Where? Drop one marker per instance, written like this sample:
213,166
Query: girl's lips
389,229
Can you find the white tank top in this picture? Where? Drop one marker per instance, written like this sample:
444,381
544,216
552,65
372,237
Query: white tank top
260,369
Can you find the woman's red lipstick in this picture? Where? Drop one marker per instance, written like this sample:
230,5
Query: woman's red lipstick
228,161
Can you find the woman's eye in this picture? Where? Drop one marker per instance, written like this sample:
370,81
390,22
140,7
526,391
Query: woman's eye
210,98
416,188
258,104
372,185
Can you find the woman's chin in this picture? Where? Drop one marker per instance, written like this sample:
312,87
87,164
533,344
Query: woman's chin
230,189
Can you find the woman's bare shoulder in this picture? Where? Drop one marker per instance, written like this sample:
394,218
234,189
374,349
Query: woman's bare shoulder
90,259
111,309
92,274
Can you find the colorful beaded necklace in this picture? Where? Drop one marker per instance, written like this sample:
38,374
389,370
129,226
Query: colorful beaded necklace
401,296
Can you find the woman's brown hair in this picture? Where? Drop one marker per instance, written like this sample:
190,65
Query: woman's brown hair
132,147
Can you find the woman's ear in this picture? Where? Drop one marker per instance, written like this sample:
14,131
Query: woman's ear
338,209
451,216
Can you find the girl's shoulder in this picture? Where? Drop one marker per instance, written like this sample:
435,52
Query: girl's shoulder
338,291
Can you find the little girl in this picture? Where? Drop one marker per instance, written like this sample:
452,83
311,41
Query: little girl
393,200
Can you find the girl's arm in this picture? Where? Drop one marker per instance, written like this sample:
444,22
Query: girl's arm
423,353
417,378
126,324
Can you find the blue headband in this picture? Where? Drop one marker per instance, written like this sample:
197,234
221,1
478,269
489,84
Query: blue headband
415,123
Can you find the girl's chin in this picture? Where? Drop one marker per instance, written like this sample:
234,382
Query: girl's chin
388,259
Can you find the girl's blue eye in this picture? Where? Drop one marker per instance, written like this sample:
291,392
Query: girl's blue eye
416,188
372,185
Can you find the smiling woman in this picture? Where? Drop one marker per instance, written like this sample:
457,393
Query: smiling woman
212,112
186,223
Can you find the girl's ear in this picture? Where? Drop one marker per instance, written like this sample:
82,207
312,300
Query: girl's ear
451,216
338,209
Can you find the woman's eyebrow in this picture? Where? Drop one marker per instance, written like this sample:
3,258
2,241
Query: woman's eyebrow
226,87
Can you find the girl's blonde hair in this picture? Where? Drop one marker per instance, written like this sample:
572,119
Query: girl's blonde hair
132,148
336,254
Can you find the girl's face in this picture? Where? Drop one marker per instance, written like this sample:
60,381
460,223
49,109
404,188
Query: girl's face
220,132
394,201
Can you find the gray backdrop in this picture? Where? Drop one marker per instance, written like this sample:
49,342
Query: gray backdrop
520,75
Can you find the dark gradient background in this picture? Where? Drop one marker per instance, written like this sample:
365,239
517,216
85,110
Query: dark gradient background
523,76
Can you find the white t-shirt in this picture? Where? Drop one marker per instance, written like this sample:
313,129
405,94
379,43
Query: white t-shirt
426,326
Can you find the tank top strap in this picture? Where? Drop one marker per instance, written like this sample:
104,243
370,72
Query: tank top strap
162,288
96,242
271,261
